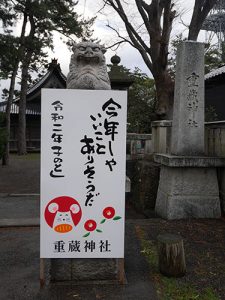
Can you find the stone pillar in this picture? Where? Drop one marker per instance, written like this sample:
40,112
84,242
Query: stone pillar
188,186
161,136
188,115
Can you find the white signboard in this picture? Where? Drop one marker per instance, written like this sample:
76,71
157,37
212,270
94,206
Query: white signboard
83,156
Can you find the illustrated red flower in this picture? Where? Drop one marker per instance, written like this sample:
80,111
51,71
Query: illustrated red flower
90,225
109,212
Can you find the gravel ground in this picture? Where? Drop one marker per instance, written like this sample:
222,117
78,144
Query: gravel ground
204,242
19,272
22,175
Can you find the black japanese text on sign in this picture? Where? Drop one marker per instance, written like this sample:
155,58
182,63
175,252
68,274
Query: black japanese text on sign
105,126
57,138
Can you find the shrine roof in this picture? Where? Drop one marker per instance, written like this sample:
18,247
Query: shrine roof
215,73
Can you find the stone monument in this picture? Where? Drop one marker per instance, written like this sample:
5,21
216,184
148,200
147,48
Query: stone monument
188,185
87,71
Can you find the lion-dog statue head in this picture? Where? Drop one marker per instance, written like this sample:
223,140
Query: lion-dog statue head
87,67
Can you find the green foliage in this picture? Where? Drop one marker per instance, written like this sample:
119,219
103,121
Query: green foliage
210,114
141,103
6,13
149,250
172,289
5,94
45,18
173,53
213,58
141,99
209,294
2,134
8,54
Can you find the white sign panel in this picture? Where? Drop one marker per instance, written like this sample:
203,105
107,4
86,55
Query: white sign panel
83,156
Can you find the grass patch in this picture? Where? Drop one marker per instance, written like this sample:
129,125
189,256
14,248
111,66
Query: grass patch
29,156
169,288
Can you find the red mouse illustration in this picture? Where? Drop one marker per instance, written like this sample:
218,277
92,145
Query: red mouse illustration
63,214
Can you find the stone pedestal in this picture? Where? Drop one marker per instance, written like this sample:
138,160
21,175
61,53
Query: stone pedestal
188,187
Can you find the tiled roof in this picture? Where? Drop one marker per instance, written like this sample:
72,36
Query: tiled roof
39,83
42,80
215,73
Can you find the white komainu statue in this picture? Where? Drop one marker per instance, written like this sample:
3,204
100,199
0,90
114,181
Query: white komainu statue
87,68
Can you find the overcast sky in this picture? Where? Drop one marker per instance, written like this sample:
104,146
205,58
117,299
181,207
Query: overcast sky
130,57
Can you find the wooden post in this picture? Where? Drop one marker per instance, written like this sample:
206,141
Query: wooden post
121,272
171,255
42,272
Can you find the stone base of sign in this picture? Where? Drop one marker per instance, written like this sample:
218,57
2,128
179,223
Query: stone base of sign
186,189
76,271
83,269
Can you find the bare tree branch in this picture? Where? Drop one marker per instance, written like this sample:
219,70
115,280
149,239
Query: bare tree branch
118,34
135,38
168,18
117,44
183,23
143,14
157,17
102,8
201,10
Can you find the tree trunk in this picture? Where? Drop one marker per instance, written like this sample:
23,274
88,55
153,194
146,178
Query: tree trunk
165,95
22,147
171,255
200,12
22,143
5,159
